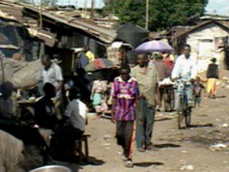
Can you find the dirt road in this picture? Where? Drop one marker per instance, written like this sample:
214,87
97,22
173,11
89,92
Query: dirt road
177,149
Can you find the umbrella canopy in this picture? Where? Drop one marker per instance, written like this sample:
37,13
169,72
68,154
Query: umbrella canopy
100,63
154,46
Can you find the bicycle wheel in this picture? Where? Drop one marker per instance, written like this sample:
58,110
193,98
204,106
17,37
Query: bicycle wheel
166,100
172,99
188,117
180,112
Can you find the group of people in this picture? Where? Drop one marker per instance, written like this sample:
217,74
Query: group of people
136,96
49,113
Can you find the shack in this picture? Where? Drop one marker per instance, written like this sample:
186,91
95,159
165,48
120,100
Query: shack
62,32
206,38
15,40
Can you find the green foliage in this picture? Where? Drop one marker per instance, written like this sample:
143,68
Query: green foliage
163,14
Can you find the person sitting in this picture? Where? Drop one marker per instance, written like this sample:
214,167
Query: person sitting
45,113
74,123
76,111
6,103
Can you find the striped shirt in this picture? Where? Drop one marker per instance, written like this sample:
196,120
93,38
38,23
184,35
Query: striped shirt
125,95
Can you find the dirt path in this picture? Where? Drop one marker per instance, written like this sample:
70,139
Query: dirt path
177,148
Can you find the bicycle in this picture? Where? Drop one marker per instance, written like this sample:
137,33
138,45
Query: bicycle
183,110
169,98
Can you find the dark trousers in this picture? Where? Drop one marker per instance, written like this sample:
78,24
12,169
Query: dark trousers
197,100
145,129
64,142
124,133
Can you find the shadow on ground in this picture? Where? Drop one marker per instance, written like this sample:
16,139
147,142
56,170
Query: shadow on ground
148,164
220,97
198,126
95,162
163,119
76,166
167,145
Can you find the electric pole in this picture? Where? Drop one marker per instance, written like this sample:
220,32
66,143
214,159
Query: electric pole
92,9
147,14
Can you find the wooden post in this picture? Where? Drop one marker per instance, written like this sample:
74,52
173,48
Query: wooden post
147,14
2,66
85,7
40,14
40,26
92,9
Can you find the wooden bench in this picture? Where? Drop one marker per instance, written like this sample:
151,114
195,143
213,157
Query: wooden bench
79,147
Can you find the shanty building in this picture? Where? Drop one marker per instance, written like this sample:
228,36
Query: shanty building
62,32
205,38
15,40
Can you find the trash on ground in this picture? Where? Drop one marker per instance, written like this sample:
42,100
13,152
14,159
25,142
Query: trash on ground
218,147
187,168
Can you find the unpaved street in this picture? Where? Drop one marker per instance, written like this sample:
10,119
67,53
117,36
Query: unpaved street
177,149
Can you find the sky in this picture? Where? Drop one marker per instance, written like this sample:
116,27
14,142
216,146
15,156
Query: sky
218,6
214,6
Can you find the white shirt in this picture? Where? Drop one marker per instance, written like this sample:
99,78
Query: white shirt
185,68
52,75
77,112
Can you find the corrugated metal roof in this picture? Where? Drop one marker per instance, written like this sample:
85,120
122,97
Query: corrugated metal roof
12,9
189,30
102,34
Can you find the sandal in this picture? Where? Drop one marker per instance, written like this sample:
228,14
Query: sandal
129,164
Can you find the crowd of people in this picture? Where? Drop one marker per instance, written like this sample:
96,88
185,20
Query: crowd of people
136,95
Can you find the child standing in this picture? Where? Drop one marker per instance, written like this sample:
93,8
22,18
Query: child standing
125,96
197,89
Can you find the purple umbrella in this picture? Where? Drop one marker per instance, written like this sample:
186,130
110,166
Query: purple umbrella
154,46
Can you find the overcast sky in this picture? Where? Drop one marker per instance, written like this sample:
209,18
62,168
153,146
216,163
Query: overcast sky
214,6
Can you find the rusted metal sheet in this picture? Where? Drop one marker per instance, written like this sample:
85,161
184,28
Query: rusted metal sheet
12,9
47,37
103,34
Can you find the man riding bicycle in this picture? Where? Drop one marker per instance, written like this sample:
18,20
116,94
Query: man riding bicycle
185,69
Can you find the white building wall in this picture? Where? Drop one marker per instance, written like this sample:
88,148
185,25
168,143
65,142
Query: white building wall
208,32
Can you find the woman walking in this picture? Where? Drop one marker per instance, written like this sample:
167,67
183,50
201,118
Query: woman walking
98,96
212,76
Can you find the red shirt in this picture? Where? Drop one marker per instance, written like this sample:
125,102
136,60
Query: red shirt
169,63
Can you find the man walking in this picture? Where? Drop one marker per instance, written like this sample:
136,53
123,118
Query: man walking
163,72
147,79
125,97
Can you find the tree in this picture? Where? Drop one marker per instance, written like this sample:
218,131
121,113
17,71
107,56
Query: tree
163,14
